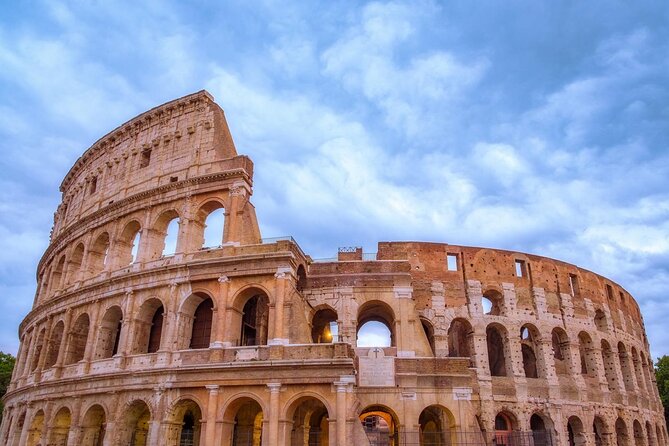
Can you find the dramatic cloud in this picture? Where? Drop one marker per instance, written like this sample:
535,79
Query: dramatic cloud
542,130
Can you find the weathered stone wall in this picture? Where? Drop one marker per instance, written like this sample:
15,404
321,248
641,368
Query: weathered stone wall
131,341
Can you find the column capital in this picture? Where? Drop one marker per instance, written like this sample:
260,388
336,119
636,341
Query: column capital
223,279
212,388
274,387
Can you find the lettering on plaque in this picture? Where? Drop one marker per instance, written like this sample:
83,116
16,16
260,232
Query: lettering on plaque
376,370
246,354
462,393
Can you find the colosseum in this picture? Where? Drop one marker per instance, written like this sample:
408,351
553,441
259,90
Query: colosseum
162,317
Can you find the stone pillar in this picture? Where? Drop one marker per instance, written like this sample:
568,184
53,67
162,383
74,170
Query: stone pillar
154,425
91,342
219,340
238,193
342,388
63,343
274,389
30,413
45,347
212,407
25,367
110,428
74,436
125,347
168,340
279,294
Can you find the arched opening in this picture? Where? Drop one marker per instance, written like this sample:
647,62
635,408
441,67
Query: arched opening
436,426
14,440
202,323
637,369
540,434
497,350
609,361
324,326
311,424
646,372
44,281
78,339
212,215
622,438
127,244
560,343
135,425
381,426
460,339
171,237
93,426
149,327
429,334
492,303
638,433
74,265
57,281
248,424
185,425
529,336
504,426
575,433
109,333
649,435
255,319
53,346
301,278
658,434
600,321
60,427
37,351
35,430
375,325
600,431
98,254
624,359
585,349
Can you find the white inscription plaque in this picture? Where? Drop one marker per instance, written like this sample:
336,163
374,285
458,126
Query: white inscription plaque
376,370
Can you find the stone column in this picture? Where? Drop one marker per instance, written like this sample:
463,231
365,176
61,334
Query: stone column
212,407
219,340
74,436
127,328
110,428
279,294
342,388
45,346
25,367
63,343
154,425
91,342
169,337
274,389
30,413
238,193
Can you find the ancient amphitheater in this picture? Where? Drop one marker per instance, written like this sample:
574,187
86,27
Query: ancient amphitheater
162,317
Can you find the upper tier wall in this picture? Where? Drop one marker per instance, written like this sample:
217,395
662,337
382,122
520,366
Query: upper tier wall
172,142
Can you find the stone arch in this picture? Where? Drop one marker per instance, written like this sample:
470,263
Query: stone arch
57,275
639,436
637,369
60,427
38,350
93,426
376,312
622,436
36,429
75,264
109,333
646,372
437,426
586,352
98,253
529,345
600,430
133,428
149,326
251,318
20,422
381,424
301,274
561,351
428,329
505,423
164,234
600,321
44,281
210,225
184,423
610,369
649,434
493,302
658,434
196,318
127,244
309,420
575,431
499,359
324,325
78,339
245,419
460,339
541,427
53,346
624,358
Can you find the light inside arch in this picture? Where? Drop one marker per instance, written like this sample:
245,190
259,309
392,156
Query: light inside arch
171,237
374,334
213,231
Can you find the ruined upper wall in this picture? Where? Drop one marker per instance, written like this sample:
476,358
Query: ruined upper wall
175,141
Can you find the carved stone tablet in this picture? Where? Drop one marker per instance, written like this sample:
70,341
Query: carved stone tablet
376,370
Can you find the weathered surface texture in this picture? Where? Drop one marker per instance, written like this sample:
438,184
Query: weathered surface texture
143,331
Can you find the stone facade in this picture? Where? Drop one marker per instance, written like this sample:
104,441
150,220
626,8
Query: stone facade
145,332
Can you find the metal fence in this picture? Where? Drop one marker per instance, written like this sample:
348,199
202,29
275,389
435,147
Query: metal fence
460,438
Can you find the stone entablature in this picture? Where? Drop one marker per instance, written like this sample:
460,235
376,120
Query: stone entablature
144,332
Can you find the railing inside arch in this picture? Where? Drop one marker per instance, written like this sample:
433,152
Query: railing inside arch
460,438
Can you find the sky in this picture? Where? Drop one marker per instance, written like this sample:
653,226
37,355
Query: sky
533,126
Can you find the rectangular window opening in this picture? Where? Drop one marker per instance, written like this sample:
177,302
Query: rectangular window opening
452,262
573,283
622,297
521,268
609,292
145,159
94,185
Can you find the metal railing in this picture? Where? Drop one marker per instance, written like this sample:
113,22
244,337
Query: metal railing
460,438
